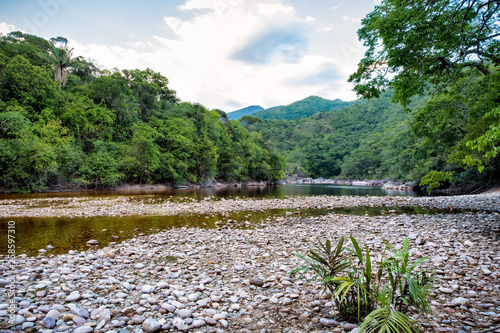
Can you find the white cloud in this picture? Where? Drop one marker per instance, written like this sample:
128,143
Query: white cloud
6,28
197,54
351,19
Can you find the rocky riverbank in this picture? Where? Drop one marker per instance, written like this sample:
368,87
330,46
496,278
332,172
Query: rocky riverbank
233,280
144,205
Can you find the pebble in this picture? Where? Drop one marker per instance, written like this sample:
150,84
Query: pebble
74,296
329,322
179,324
151,325
238,279
49,322
147,289
83,329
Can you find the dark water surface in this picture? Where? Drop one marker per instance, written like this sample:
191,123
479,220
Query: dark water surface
254,191
64,234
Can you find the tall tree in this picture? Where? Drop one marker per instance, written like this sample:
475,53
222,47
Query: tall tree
422,46
60,58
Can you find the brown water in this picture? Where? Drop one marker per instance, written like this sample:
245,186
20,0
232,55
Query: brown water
64,234
254,192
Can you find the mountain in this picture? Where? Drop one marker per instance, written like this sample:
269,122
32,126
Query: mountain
249,110
369,139
302,109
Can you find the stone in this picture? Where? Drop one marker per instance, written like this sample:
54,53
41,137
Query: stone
74,296
179,324
257,282
460,301
147,289
210,321
137,320
79,320
92,242
80,312
178,305
350,327
83,329
104,315
219,316
151,325
329,322
18,320
197,323
168,307
183,313
445,290
239,268
27,325
49,322
54,314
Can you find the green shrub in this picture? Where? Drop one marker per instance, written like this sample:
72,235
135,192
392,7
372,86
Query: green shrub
383,300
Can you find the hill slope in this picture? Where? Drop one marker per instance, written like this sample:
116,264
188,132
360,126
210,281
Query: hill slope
364,138
302,109
248,111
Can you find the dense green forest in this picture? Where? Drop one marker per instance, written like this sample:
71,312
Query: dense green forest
64,121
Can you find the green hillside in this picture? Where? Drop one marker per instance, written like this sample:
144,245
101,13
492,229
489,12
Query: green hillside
301,109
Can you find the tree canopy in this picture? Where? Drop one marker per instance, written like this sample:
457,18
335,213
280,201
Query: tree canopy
103,128
451,50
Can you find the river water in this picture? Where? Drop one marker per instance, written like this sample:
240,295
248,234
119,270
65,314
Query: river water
254,191
64,234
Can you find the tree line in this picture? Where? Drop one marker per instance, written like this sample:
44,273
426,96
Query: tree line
64,121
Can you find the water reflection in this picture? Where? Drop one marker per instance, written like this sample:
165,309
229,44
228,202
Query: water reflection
254,191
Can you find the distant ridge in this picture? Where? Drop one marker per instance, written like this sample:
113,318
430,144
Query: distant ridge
302,109
248,111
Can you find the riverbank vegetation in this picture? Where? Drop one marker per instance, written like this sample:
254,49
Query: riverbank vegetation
64,121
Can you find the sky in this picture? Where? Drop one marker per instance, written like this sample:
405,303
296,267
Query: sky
225,54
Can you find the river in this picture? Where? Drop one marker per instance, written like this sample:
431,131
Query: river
71,233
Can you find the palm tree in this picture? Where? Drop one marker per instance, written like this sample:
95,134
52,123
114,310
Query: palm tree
61,59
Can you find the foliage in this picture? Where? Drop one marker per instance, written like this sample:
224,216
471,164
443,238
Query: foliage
449,49
105,128
435,179
381,296
423,42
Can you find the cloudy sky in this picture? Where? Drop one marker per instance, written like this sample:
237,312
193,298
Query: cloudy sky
224,54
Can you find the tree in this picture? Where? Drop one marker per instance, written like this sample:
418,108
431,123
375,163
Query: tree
412,43
61,59
442,47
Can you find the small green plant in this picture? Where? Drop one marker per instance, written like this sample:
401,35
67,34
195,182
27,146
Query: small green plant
383,300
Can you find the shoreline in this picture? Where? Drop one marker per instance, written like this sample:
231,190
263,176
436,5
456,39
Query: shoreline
235,280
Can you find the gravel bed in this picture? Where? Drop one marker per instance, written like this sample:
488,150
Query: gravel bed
234,280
